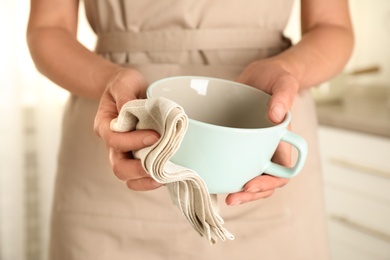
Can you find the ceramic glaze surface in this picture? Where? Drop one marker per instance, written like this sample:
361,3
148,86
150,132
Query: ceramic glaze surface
229,139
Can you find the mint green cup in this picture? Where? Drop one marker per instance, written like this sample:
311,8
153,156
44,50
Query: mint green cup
230,139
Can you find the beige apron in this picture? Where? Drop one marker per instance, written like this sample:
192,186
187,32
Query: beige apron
96,217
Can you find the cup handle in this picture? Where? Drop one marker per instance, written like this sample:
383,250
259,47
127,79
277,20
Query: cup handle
286,172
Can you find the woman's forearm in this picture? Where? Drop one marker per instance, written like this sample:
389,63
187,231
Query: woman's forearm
321,54
326,44
58,55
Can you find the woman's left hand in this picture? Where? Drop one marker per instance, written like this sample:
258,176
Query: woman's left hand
271,76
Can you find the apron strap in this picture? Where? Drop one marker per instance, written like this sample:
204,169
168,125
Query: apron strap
186,40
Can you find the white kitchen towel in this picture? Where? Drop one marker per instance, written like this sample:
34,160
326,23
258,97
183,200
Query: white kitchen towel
187,189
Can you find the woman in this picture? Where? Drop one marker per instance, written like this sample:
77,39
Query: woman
94,215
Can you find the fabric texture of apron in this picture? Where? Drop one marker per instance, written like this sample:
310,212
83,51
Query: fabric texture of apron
95,216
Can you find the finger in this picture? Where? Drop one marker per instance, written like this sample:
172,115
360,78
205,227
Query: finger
283,93
132,141
143,184
244,197
105,114
264,183
124,168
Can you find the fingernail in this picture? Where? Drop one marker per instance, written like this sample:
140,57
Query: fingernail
149,140
253,189
278,112
234,203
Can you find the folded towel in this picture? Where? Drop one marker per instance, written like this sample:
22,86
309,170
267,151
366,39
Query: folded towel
187,189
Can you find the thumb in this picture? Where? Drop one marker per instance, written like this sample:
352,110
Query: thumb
126,86
281,101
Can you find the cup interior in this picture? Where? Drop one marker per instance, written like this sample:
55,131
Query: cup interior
215,101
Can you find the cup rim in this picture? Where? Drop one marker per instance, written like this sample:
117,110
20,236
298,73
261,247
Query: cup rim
282,124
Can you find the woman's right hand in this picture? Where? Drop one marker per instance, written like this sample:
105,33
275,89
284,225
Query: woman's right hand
126,84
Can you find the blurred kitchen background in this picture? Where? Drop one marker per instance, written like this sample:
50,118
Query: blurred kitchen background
354,130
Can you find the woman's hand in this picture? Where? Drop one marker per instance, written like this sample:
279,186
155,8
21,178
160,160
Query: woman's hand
125,85
271,76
